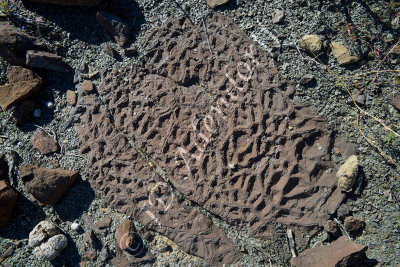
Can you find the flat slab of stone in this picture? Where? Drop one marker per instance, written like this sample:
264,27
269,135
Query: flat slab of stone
223,125
44,143
47,186
339,253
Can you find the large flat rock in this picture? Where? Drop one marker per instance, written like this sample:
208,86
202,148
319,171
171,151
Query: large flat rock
212,111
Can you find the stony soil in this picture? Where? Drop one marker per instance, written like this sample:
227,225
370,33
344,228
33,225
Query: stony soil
74,34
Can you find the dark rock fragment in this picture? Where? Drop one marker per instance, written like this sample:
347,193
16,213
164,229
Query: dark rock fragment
45,60
70,2
111,51
8,199
119,30
47,186
131,52
306,79
14,44
103,223
3,168
24,112
353,224
396,102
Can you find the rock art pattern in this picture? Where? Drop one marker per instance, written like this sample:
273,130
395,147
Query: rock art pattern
212,111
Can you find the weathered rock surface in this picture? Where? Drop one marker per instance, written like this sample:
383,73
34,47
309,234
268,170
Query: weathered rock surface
23,83
14,44
215,3
306,79
44,143
256,157
52,248
339,253
70,2
45,60
311,43
118,29
278,16
342,54
347,174
47,186
353,224
8,199
103,223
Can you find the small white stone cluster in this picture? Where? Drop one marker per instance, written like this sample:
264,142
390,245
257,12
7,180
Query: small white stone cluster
47,240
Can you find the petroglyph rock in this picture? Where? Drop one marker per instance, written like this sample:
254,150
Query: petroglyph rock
223,126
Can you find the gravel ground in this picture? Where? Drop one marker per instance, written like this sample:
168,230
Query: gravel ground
74,34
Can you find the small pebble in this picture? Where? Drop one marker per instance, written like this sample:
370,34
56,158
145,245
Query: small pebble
37,113
49,104
75,226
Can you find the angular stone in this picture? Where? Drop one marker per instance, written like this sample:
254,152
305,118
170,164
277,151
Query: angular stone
396,102
118,29
311,43
90,238
339,253
126,235
52,248
342,54
347,174
353,224
23,112
87,86
47,186
69,2
131,52
71,97
45,60
111,51
44,143
331,227
8,199
306,79
14,44
23,83
215,3
91,255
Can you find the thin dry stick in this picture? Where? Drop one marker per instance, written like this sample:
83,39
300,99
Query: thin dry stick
341,226
292,244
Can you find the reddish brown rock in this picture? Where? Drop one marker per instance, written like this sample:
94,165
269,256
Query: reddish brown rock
14,44
91,255
8,199
47,186
71,97
339,253
117,28
23,112
70,2
44,143
331,227
353,224
23,83
45,60
87,86
126,235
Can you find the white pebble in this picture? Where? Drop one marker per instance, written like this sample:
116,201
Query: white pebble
49,104
75,226
37,113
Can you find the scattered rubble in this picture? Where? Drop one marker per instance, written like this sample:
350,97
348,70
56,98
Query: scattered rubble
47,186
70,2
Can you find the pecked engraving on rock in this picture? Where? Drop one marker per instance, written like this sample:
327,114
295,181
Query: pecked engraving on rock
212,111
128,184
